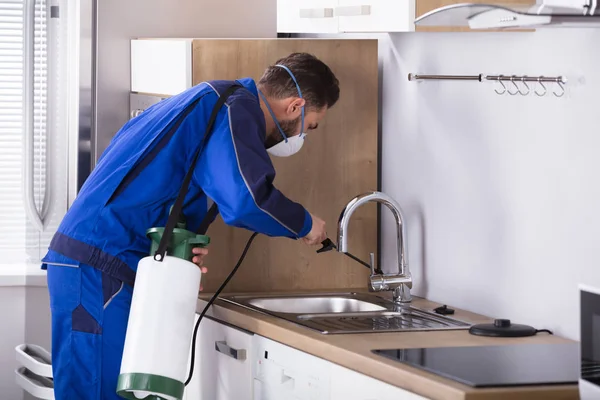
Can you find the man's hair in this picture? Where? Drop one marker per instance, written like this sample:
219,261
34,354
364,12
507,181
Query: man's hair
319,86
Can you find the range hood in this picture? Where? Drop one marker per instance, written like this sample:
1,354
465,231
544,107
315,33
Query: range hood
551,14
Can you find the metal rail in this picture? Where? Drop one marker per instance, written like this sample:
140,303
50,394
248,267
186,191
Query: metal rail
514,79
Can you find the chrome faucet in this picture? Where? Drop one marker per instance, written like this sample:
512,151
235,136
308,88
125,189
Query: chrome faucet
401,281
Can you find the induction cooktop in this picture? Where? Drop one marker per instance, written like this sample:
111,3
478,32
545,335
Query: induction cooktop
496,366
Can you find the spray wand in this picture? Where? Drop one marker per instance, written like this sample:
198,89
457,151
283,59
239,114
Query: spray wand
329,245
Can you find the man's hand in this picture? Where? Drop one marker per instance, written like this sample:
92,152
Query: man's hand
317,234
199,259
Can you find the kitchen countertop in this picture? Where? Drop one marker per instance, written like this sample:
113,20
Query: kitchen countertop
353,351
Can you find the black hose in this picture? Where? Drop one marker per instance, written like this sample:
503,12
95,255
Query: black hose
212,299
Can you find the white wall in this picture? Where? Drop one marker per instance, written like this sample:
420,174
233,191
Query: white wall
12,328
38,328
38,317
25,316
501,192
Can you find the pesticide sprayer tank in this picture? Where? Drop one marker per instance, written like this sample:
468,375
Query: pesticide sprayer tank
161,320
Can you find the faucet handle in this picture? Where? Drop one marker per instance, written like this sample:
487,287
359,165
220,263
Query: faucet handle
372,263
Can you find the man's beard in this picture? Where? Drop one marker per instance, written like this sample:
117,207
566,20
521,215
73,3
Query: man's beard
288,127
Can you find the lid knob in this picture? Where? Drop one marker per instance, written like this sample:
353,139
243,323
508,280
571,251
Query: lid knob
502,323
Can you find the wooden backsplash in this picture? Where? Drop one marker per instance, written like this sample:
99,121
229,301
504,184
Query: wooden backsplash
338,161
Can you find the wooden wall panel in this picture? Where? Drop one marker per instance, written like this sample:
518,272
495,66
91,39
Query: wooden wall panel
337,162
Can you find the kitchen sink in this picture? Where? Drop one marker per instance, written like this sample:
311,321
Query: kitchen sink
337,313
314,305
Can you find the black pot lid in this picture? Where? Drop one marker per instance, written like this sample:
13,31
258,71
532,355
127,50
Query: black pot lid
502,328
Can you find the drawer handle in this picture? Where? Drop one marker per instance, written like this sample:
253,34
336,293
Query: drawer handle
352,11
223,347
316,13
286,377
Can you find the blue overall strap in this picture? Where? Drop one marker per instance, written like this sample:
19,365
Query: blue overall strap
148,158
177,207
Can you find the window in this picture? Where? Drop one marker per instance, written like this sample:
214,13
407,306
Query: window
23,130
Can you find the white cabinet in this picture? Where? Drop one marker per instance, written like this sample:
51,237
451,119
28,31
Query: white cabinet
337,16
376,15
281,372
223,364
161,66
232,364
350,385
307,16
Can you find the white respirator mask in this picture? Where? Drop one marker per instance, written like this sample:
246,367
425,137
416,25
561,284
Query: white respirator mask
287,147
290,145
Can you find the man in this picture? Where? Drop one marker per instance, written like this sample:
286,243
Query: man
136,182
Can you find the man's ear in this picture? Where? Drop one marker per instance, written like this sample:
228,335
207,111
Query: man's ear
294,107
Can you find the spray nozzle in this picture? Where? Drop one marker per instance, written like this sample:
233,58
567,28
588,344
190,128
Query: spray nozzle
327,245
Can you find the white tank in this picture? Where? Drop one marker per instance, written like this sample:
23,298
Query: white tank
159,329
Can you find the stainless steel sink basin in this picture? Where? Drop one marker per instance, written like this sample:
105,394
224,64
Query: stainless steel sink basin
337,313
314,305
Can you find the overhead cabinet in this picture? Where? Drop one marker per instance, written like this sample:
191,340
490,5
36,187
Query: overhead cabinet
334,16
347,16
311,16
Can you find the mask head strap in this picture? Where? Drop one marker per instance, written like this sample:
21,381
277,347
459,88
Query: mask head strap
285,139
299,94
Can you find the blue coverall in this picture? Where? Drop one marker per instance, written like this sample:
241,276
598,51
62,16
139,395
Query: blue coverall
92,259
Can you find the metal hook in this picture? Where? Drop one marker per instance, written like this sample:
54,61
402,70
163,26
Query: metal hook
500,82
513,82
526,85
561,86
539,79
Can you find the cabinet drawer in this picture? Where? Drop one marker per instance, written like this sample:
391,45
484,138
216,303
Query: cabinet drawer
223,364
306,16
376,15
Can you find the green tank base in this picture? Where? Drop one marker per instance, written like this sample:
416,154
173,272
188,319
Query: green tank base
182,241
